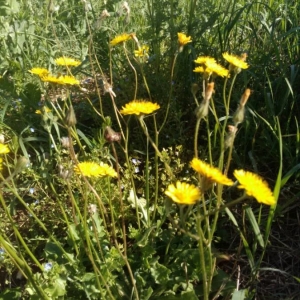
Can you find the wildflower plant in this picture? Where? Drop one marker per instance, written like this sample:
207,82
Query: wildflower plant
129,216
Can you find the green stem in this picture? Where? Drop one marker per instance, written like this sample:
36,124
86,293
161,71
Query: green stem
202,257
170,94
134,70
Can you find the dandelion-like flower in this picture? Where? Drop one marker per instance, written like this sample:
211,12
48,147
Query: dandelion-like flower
183,39
255,187
92,169
67,61
44,109
139,107
210,66
4,149
203,59
235,61
213,67
120,39
142,51
183,193
51,79
210,174
39,71
68,80
61,79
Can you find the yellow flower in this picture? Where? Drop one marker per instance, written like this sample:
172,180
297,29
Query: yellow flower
236,61
199,69
210,66
255,186
183,39
67,61
51,79
44,109
108,170
213,67
183,193
139,107
142,51
203,59
91,169
39,71
120,39
60,80
3,149
68,80
211,174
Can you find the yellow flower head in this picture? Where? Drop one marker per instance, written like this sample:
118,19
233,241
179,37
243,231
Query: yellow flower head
4,149
68,80
210,174
91,169
255,186
210,66
44,109
120,39
108,170
67,61
203,59
183,39
50,78
183,193
60,80
39,71
142,51
235,61
213,67
139,107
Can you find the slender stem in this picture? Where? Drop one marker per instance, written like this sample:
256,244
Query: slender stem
134,70
170,94
202,257
196,137
144,127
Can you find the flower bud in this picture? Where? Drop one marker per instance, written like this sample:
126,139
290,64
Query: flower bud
111,136
194,88
65,142
230,136
70,118
245,97
2,139
238,116
202,110
209,91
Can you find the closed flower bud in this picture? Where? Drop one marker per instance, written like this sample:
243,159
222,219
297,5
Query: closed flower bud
230,136
2,139
202,110
22,163
111,136
245,97
65,142
238,116
70,118
209,91
194,88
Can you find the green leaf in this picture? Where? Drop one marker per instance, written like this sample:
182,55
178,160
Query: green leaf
239,295
160,273
11,294
255,226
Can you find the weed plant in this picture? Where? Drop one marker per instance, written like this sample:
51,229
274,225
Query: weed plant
134,139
